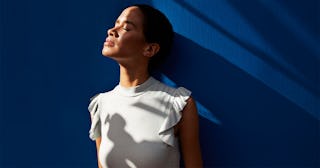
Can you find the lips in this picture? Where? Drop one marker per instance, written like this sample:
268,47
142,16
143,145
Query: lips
109,43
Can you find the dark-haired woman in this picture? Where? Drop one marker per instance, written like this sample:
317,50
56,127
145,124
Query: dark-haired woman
142,122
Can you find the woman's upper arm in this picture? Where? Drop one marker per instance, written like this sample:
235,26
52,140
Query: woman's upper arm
98,142
188,130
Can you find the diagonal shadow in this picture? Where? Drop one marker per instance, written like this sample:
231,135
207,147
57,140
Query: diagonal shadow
251,112
280,38
255,51
306,30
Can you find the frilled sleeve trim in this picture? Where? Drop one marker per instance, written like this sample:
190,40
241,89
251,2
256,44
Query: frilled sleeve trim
95,129
166,132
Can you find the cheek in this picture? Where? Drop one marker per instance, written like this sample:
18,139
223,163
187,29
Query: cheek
132,42
131,38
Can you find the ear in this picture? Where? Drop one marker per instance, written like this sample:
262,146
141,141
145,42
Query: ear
151,49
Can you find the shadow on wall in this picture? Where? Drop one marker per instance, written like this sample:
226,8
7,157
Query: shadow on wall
283,34
276,59
294,34
258,126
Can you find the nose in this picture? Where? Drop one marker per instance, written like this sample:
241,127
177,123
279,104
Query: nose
113,32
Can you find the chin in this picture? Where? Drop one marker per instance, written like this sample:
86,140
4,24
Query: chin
109,55
106,53
109,52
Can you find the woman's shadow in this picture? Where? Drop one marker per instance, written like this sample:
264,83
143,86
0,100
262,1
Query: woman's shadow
126,152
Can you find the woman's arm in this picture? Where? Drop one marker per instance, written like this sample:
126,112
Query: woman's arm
98,142
188,131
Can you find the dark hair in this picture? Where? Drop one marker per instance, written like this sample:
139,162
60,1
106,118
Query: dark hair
157,29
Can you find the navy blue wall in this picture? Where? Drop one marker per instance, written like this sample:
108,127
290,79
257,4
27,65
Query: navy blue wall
252,67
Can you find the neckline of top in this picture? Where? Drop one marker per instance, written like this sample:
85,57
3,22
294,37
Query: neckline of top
135,90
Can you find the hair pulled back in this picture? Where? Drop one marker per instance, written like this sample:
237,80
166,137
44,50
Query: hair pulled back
157,29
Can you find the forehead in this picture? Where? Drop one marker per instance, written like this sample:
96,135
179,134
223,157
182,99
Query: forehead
132,14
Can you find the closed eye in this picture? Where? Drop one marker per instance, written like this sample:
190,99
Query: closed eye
125,28
125,24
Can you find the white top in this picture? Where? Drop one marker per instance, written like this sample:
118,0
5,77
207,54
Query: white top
136,125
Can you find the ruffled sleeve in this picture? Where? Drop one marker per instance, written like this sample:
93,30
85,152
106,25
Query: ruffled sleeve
95,130
166,132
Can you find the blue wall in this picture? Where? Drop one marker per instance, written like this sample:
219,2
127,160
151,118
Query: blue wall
253,67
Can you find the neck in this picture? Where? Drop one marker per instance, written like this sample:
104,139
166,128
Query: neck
130,77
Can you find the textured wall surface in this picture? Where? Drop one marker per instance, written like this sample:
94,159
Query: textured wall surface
253,68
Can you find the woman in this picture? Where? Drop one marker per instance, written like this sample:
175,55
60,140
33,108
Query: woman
142,122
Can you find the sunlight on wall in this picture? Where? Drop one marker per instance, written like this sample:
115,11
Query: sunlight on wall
210,35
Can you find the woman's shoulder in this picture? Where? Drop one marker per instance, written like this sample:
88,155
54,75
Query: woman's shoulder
171,90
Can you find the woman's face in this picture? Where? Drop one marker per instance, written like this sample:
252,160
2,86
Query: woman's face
125,40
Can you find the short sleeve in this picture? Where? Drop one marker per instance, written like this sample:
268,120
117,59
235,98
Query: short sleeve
166,132
95,129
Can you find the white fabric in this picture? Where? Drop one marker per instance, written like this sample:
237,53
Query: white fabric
94,131
136,125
